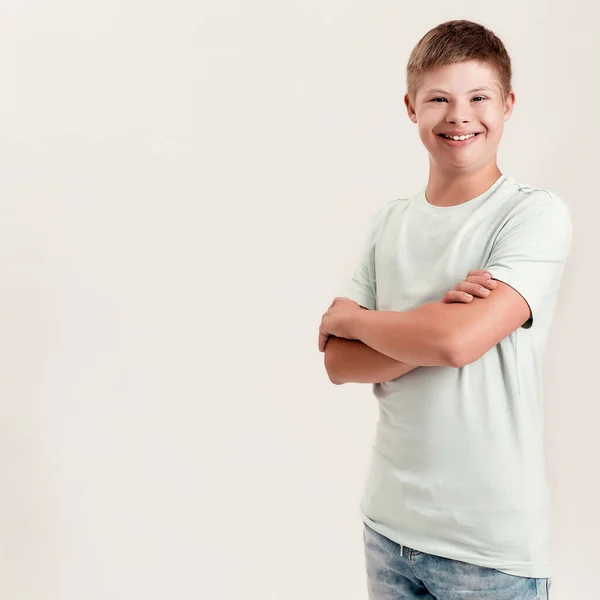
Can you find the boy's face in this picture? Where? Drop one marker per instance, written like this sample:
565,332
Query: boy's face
458,110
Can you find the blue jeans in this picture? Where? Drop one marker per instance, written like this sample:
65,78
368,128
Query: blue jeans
397,572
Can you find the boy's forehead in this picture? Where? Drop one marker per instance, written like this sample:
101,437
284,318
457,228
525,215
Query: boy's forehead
460,77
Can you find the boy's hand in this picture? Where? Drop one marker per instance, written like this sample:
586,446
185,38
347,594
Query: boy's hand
335,321
477,283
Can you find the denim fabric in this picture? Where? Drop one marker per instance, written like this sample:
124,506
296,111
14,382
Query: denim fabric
396,572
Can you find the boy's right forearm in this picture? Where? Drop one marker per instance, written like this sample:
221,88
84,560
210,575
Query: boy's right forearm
351,361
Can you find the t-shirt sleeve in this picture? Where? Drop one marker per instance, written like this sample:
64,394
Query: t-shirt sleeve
531,250
363,283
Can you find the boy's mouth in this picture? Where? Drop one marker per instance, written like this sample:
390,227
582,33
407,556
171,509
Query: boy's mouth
459,137
459,141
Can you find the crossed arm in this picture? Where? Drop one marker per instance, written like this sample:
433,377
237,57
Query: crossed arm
386,343
352,361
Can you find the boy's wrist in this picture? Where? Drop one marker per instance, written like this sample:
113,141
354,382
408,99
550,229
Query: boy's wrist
358,322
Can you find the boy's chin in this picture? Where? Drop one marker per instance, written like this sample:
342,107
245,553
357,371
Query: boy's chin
457,160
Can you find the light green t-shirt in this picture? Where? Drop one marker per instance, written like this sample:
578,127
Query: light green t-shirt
457,466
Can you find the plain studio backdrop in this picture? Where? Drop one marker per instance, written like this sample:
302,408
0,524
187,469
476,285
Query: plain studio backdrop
185,188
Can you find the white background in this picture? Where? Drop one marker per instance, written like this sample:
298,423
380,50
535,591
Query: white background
184,189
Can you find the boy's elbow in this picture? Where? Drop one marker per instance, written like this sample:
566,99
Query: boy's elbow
454,354
330,368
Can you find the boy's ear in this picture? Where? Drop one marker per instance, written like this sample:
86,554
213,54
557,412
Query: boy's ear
508,105
410,109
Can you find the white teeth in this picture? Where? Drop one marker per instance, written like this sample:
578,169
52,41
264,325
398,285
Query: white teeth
459,137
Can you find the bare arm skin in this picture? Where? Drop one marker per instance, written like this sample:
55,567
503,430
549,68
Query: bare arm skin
351,361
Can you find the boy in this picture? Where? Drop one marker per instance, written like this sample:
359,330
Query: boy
456,501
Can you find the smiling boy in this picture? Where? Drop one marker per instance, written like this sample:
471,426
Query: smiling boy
456,499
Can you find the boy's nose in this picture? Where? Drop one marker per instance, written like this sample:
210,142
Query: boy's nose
457,120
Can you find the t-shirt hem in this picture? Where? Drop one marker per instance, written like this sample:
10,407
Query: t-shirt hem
537,570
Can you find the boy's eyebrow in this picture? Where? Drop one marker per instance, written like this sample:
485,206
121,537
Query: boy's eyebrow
479,89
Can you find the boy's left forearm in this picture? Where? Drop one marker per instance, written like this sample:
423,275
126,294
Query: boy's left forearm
352,361
421,336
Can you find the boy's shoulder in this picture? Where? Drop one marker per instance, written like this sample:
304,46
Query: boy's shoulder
531,199
535,194
533,206
384,208
380,215
383,211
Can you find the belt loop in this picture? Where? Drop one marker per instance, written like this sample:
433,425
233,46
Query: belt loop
401,548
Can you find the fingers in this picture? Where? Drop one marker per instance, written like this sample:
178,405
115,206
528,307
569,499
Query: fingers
456,296
477,284
480,272
322,342
482,279
323,339
475,289
474,282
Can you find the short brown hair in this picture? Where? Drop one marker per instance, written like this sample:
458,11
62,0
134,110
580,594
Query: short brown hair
455,42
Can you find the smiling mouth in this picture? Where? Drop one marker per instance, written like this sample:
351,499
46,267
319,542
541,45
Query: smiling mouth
459,138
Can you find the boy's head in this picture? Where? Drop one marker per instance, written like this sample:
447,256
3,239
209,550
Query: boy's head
444,73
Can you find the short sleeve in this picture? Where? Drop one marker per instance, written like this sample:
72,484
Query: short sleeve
531,250
363,283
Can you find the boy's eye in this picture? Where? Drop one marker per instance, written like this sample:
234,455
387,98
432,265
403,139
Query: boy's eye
436,99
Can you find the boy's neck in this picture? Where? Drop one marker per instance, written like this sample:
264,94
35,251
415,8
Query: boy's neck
445,189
